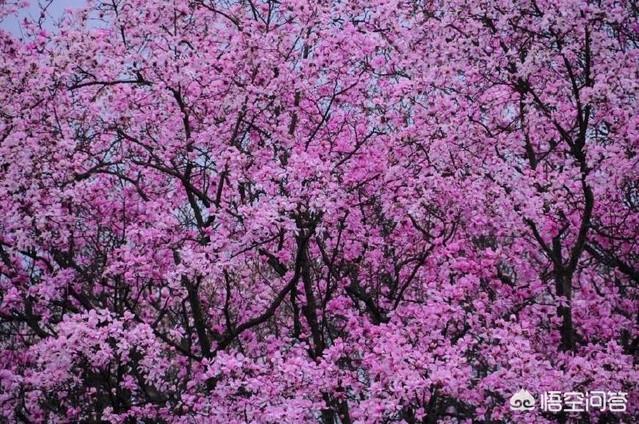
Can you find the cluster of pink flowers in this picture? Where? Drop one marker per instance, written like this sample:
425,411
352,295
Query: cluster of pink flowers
292,211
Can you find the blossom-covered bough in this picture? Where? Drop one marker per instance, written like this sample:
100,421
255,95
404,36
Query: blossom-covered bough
318,211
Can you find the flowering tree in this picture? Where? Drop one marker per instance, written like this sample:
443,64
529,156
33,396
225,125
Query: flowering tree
336,212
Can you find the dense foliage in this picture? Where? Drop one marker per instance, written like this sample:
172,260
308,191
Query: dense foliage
293,211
